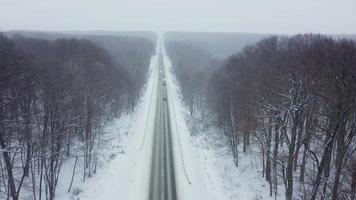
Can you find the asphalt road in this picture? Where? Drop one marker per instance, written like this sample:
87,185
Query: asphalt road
162,180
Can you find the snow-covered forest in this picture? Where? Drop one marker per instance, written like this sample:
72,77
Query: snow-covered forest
55,97
289,100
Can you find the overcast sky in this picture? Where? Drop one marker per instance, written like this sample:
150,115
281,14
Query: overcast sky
261,16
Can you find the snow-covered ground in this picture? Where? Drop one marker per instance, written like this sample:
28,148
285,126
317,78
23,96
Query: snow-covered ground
126,155
203,161
227,181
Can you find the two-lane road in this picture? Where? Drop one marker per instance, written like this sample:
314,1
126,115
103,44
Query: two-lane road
162,181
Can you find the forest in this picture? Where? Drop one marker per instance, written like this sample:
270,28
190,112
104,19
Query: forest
55,96
193,66
290,98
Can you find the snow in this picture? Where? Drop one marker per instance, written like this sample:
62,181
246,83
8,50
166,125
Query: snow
126,155
228,181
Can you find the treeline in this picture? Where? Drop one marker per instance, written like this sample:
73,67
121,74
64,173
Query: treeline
54,98
297,97
193,66
218,44
130,53
294,99
128,50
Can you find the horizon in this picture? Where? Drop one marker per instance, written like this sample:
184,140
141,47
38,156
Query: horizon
167,31
272,17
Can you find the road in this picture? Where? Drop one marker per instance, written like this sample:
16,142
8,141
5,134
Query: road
162,180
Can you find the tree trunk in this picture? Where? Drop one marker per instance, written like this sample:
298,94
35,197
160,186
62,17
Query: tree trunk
306,141
275,157
353,182
268,154
9,166
340,153
291,153
322,165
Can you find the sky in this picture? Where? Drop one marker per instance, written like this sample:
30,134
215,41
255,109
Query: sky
253,16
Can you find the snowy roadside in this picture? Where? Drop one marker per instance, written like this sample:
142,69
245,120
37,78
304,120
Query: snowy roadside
203,161
191,181
125,155
244,182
